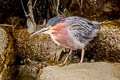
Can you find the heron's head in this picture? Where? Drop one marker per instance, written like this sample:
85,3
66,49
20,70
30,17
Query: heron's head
52,22
46,30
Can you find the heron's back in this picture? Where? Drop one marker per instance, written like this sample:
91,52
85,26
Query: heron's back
81,30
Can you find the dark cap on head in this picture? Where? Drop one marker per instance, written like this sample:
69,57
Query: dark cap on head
53,21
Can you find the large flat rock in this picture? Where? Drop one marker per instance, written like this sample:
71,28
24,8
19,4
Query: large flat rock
85,71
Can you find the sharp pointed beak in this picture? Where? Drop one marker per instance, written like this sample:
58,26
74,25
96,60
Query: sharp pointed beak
44,30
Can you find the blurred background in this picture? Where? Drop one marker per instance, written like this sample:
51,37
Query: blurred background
45,9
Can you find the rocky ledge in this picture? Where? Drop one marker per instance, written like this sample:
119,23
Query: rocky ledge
85,71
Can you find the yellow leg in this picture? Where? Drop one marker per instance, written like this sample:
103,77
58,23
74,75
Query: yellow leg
82,55
67,56
59,55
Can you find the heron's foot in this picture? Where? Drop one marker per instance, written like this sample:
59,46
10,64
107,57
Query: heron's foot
63,64
66,59
66,62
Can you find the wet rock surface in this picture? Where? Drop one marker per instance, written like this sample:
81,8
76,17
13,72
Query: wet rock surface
85,71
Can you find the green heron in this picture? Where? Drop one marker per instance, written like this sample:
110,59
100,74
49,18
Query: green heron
72,32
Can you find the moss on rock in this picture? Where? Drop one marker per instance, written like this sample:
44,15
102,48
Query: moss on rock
7,59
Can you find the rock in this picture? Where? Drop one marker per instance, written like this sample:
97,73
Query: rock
7,55
105,47
26,72
85,71
39,48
